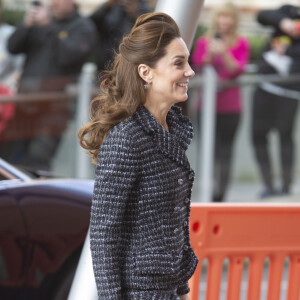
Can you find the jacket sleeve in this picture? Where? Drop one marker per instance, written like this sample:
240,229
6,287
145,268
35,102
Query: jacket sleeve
241,56
273,17
19,40
294,50
74,45
200,51
183,289
116,176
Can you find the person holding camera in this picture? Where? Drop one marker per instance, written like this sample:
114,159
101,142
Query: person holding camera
57,41
113,19
275,104
228,53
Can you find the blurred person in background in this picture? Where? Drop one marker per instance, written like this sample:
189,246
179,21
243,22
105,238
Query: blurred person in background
57,41
114,19
228,53
275,104
10,65
10,70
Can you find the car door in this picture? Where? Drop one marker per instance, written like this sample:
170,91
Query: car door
13,235
57,225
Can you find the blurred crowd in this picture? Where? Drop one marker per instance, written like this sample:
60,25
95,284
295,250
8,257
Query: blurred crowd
47,50
274,106
45,53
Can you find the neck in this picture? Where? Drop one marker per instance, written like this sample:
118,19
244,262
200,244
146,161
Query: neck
229,35
159,111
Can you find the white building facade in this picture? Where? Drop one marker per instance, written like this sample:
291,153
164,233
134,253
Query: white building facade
89,5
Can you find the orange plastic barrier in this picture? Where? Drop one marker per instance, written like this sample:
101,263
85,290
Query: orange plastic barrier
251,232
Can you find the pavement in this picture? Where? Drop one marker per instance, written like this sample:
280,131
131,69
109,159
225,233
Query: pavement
243,191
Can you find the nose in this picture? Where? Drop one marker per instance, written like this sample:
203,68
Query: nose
189,72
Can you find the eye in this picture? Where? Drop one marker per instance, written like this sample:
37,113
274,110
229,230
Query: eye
178,63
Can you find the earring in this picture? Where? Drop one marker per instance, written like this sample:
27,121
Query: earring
146,85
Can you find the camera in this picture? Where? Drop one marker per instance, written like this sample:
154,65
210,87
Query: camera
218,36
36,3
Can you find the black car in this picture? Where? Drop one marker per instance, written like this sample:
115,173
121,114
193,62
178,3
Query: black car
43,224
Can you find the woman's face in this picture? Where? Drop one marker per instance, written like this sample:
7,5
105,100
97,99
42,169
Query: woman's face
224,23
171,74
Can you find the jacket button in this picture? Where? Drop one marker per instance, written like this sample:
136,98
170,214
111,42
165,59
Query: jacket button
176,230
185,223
186,248
187,200
180,181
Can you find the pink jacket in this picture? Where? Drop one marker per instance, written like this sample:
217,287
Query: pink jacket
228,99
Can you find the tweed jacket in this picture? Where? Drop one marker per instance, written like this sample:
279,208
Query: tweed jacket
141,207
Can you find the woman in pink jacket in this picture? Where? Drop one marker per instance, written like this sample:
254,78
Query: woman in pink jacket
228,53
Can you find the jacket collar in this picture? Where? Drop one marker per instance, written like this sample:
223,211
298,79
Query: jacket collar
73,15
172,143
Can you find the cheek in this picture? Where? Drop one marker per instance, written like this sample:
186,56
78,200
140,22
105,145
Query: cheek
228,23
167,82
164,83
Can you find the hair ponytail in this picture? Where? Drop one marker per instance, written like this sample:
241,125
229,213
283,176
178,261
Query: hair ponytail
122,89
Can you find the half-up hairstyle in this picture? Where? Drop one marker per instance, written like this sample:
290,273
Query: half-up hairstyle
122,89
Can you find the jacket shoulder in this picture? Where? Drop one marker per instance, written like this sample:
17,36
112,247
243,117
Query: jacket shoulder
127,129
82,23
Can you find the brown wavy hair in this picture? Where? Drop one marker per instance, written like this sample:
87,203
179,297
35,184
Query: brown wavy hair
122,89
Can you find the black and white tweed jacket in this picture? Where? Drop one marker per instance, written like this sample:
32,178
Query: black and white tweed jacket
141,206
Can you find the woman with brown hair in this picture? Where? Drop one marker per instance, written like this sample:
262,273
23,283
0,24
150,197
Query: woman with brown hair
138,138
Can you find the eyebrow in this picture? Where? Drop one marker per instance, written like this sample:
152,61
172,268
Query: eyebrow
180,56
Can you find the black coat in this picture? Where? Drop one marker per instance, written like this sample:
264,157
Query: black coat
273,18
57,50
141,207
112,23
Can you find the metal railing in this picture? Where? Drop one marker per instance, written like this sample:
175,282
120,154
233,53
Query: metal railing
81,94
209,83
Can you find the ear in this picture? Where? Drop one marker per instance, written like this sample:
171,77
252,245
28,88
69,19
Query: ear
145,72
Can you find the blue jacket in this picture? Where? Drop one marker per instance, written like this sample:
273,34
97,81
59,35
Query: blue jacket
141,207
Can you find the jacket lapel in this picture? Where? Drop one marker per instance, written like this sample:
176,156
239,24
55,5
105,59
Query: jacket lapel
174,143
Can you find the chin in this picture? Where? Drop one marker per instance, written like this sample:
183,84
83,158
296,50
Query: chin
183,99
179,99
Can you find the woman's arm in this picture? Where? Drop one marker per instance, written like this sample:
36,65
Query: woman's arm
230,64
200,54
183,290
18,41
234,62
115,179
273,17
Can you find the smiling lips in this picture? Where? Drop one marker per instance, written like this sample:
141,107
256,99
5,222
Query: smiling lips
183,84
